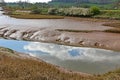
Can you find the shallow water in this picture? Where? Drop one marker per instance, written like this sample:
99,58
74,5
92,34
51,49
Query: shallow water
1,9
6,21
88,60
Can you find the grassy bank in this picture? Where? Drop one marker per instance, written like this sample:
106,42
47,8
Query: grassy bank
13,67
109,14
32,16
25,15
52,13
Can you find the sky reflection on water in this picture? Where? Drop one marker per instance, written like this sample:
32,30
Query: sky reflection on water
73,53
88,60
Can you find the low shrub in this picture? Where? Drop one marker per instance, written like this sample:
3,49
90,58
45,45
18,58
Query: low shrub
70,12
36,11
94,10
52,11
109,14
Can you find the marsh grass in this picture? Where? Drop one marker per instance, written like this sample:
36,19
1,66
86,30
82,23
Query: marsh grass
32,16
24,15
109,14
6,49
89,31
113,30
71,30
115,24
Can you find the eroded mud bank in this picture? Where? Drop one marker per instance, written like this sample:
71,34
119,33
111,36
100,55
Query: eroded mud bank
85,39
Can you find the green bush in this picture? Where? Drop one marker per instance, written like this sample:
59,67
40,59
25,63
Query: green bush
95,10
36,11
109,14
52,11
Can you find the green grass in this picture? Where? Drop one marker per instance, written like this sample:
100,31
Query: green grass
101,6
109,14
24,15
85,5
29,16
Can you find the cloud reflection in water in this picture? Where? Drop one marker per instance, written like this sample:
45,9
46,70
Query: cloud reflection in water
88,60
71,53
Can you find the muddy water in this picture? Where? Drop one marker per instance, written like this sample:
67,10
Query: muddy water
49,23
88,60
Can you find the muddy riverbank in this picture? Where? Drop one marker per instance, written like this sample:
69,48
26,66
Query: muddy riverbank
96,39
85,32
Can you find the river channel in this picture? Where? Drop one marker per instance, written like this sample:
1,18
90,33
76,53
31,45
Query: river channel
88,60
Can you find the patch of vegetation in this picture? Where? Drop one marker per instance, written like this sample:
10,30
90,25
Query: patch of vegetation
48,13
95,10
89,10
113,75
109,14
37,16
89,31
114,24
113,30
79,12
103,4
70,30
6,50
36,11
52,11
25,15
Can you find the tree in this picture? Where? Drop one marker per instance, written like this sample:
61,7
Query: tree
35,10
94,10
117,5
